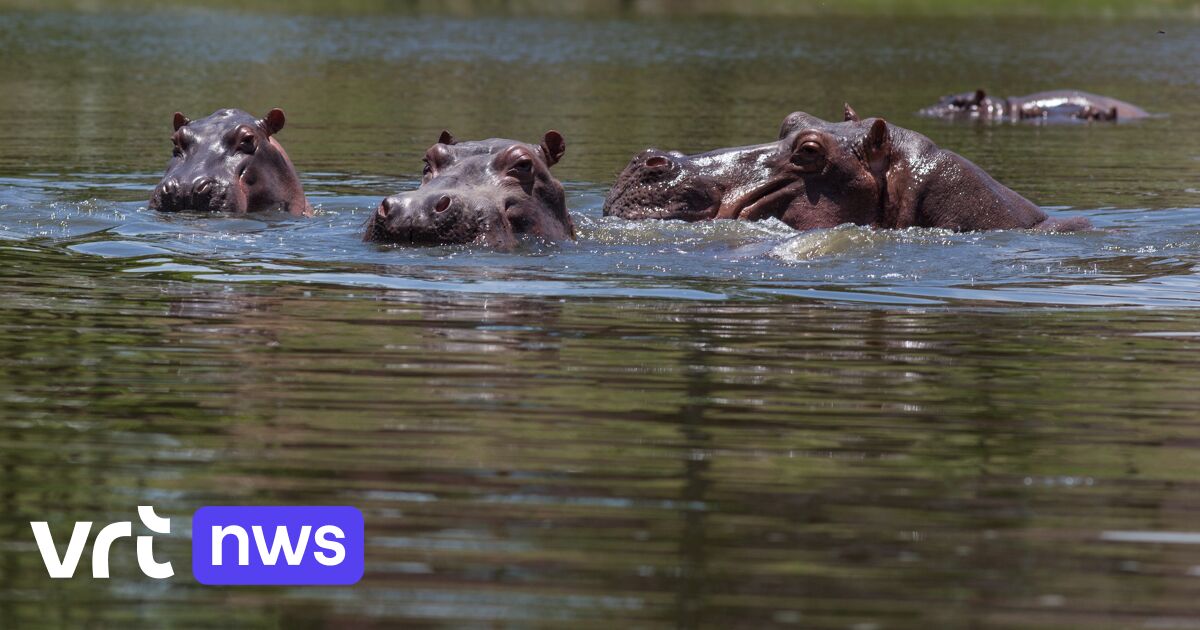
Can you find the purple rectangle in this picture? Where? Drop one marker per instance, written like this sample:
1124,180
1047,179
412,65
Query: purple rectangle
319,545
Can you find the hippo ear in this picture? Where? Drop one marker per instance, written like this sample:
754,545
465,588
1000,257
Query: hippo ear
980,95
553,147
447,138
848,113
273,121
181,120
877,144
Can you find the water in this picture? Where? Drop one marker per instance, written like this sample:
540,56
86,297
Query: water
660,424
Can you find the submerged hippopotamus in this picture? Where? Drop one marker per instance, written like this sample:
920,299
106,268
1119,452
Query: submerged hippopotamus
1053,106
821,174
229,162
483,192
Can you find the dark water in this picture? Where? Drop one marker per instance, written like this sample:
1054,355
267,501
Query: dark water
661,424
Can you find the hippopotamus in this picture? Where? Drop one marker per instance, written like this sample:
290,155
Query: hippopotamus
229,162
1052,106
821,174
485,192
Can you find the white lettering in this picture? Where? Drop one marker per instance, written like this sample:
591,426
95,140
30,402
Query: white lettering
243,541
282,540
70,560
338,549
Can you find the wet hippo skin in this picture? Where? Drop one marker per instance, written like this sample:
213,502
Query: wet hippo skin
1052,106
485,192
229,162
821,174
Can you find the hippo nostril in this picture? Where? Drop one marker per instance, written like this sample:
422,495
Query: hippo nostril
657,162
171,187
443,204
202,186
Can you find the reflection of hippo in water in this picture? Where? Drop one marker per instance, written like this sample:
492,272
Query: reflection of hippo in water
1053,106
229,162
484,191
822,174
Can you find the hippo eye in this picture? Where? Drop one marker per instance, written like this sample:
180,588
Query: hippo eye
176,150
247,145
428,169
809,156
523,165
522,169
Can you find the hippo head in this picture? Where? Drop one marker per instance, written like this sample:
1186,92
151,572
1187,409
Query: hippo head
968,104
483,192
229,162
1066,111
670,185
820,174
816,174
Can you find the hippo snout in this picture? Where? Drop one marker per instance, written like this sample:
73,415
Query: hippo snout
415,218
410,214
202,193
406,209
203,186
653,163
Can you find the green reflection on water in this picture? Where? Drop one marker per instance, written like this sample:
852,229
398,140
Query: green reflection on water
596,460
